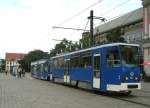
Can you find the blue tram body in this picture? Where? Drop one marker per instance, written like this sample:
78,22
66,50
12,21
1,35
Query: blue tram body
40,69
110,67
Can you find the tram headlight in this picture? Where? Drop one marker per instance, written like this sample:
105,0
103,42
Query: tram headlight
136,78
126,78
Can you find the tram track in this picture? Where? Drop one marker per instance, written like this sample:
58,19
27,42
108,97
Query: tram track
119,96
131,101
144,91
122,97
134,98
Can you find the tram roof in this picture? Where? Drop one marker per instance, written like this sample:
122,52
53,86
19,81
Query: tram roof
92,48
38,61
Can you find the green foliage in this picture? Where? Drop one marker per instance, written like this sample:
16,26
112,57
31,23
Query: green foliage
145,77
86,40
32,56
3,62
63,46
115,36
36,55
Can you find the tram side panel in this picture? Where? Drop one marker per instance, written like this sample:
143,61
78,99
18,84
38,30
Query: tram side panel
81,74
58,73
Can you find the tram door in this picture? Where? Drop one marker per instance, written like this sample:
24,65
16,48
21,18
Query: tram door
96,75
66,71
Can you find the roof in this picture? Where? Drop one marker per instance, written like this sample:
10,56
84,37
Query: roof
129,18
14,56
41,61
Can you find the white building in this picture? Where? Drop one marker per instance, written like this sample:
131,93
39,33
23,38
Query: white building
12,61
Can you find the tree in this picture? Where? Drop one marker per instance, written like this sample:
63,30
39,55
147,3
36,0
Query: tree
85,41
3,62
32,56
63,47
115,35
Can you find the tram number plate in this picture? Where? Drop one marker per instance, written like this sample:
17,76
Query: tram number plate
132,86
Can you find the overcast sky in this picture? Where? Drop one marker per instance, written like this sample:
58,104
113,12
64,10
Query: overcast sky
26,25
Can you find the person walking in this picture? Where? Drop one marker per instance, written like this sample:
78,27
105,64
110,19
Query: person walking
23,72
19,70
6,72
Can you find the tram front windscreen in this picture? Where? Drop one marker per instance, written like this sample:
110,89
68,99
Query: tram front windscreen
129,55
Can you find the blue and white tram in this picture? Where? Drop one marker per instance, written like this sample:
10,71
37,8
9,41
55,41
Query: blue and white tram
110,67
40,69
34,69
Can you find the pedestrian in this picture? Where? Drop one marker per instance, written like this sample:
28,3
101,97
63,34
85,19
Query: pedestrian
6,72
19,70
23,72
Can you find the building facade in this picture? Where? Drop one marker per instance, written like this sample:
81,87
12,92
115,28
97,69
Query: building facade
128,26
146,36
133,27
12,61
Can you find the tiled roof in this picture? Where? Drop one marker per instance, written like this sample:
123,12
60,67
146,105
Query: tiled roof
14,56
129,18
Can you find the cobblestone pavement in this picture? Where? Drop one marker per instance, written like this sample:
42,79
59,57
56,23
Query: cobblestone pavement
33,93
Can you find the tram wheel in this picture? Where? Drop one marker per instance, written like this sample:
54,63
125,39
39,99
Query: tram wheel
128,92
53,79
48,78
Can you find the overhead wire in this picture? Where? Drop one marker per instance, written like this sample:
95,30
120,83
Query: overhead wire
79,13
71,18
117,6
42,38
112,9
107,12
79,28
86,24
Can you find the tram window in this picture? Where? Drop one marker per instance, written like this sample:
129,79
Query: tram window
75,61
38,68
41,67
60,62
46,68
52,66
86,59
55,64
113,58
130,55
33,68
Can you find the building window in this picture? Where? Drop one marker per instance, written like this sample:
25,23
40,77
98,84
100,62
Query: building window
149,9
138,36
128,38
148,53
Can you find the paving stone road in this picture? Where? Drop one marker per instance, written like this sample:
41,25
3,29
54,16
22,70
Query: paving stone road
33,93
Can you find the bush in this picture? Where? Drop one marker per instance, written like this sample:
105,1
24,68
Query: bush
147,79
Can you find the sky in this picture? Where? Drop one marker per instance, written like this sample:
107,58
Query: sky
26,25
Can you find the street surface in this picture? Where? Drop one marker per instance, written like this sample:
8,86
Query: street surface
33,93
